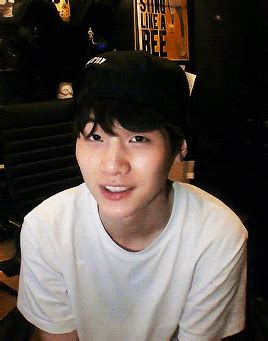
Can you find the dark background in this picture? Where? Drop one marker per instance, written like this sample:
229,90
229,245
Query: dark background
228,55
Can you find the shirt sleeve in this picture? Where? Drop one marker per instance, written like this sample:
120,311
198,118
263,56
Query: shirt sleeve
43,296
215,307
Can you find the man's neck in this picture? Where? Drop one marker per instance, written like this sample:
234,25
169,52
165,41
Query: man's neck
137,232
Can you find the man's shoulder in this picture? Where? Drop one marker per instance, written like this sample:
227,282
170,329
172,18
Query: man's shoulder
60,215
67,200
201,199
208,210
69,194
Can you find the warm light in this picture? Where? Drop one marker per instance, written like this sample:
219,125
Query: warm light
63,7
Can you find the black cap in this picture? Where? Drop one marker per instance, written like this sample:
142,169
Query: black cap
142,78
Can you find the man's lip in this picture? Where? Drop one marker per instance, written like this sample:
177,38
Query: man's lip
115,195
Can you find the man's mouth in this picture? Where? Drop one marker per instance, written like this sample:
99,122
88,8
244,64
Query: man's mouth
116,189
115,192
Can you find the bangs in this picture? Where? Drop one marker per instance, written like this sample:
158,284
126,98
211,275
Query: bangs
105,112
132,116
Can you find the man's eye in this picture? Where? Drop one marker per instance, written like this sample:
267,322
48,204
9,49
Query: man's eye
95,137
139,139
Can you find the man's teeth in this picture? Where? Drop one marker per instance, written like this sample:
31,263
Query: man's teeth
116,188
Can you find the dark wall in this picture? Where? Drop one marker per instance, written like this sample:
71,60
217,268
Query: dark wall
228,102
223,113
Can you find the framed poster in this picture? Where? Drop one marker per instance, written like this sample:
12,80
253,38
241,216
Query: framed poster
161,28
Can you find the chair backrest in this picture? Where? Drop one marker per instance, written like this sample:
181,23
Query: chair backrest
38,151
183,171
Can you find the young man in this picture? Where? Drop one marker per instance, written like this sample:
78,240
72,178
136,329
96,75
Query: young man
129,255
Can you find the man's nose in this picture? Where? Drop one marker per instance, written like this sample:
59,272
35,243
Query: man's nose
115,159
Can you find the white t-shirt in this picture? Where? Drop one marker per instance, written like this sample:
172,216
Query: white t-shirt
189,283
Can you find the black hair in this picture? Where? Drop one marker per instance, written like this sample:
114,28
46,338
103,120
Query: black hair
130,115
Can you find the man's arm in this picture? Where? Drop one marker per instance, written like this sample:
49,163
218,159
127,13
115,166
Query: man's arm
41,335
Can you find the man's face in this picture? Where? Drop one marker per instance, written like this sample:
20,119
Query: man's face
126,173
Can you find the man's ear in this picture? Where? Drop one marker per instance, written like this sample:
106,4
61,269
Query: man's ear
182,152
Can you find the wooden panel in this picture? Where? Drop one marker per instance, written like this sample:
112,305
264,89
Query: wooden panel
183,171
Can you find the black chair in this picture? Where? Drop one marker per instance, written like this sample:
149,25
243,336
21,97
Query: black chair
37,150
